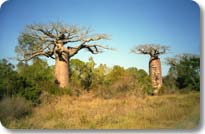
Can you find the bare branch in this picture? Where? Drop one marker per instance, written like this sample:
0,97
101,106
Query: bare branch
28,57
46,51
49,40
171,61
151,49
42,29
93,48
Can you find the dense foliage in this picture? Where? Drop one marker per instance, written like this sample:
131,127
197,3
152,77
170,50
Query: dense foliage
109,82
27,80
184,72
30,80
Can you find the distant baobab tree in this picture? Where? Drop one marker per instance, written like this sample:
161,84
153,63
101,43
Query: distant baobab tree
59,42
154,63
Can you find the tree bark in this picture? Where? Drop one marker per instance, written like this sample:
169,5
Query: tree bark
155,74
62,69
62,73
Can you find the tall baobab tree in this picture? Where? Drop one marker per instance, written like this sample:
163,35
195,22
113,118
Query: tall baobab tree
154,63
59,42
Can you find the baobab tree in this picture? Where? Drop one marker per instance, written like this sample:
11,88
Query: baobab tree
59,42
154,63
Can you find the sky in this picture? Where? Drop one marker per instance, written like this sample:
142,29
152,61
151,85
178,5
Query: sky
175,23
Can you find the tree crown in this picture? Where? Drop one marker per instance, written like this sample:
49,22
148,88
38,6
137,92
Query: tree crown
151,49
56,38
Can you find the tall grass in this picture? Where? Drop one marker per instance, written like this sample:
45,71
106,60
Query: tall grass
14,108
129,112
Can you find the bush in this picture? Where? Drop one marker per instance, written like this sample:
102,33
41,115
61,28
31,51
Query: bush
8,77
15,84
50,87
143,84
53,88
31,94
14,108
104,92
118,88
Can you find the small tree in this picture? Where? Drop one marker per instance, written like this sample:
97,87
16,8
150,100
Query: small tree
154,63
55,41
8,76
88,76
76,71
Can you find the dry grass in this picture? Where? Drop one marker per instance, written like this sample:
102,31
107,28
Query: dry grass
131,112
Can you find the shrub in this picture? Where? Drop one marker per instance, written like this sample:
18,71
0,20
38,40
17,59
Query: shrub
14,108
31,94
15,84
50,87
118,88
143,83
104,92
8,77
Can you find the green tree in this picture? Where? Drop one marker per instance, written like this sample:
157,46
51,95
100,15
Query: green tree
12,84
100,75
8,77
76,69
185,70
83,73
142,80
88,75
39,74
115,74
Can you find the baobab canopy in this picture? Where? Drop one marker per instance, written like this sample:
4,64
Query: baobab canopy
56,41
151,49
42,40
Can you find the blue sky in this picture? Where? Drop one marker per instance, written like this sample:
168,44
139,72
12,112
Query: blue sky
175,23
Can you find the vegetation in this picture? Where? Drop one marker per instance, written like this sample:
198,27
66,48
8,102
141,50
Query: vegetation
55,41
98,96
184,72
173,111
14,108
155,71
77,94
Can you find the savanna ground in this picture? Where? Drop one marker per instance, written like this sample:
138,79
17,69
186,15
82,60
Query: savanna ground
176,111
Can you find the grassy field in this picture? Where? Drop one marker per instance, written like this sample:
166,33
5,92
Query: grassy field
128,112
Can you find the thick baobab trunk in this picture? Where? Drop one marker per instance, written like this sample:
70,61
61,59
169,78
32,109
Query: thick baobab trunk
62,73
155,74
61,70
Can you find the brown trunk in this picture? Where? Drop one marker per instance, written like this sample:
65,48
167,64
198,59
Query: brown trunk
155,74
61,70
